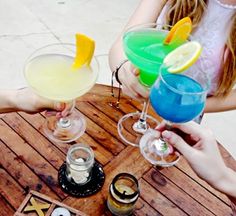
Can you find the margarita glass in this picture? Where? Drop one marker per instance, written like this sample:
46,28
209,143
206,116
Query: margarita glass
144,47
48,71
177,98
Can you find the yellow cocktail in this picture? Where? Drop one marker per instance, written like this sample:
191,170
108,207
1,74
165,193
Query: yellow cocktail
50,74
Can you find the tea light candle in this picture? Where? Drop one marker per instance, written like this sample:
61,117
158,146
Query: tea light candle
79,173
60,212
80,160
123,193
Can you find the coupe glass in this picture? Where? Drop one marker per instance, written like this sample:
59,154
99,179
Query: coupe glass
49,73
177,98
144,47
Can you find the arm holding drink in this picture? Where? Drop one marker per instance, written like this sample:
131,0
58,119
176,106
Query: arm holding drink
204,156
146,12
170,12
26,100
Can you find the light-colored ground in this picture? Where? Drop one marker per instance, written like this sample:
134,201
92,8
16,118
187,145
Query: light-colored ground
30,24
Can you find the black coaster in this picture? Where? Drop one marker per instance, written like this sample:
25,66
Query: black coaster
91,187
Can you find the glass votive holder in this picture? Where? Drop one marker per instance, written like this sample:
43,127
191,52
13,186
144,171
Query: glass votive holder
123,193
79,163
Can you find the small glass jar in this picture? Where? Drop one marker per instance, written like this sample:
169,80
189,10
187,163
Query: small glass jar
123,193
79,163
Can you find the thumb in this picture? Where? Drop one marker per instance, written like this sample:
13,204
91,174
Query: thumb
59,106
176,141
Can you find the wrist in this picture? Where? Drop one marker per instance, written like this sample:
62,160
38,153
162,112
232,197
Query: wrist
8,101
14,99
226,184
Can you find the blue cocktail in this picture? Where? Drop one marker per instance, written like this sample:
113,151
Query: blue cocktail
177,98
183,97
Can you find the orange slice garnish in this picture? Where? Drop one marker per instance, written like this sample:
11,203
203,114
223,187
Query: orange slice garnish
180,31
84,51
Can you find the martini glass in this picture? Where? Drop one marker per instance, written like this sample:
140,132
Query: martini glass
144,47
48,71
177,98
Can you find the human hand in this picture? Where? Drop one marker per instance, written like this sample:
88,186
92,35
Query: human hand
128,75
204,156
26,100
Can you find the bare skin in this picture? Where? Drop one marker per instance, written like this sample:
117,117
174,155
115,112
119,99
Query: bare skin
27,101
204,157
147,12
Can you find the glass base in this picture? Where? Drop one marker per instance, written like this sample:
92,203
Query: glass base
130,129
157,151
66,129
91,187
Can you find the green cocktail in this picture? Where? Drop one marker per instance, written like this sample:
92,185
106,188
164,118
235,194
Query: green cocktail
144,47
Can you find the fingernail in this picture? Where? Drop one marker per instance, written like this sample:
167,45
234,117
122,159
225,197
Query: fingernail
166,134
49,113
58,115
60,106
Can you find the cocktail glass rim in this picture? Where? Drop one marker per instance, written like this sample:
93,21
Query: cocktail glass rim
29,58
148,26
163,72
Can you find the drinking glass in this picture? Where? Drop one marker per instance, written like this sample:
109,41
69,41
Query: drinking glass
48,71
177,98
144,48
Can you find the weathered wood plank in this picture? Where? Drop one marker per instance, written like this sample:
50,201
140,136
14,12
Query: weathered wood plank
229,160
196,191
36,162
113,113
102,94
184,167
158,201
10,189
5,207
101,154
176,195
143,208
35,139
103,137
21,173
101,119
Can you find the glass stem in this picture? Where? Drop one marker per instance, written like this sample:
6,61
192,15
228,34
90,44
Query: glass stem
65,122
162,145
168,125
143,115
141,125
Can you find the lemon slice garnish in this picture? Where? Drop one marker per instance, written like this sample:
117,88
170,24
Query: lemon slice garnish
180,31
183,57
84,51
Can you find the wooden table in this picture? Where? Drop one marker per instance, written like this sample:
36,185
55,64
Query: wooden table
28,160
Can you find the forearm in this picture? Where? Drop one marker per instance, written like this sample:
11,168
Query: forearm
116,55
228,184
219,104
146,12
228,187
7,101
